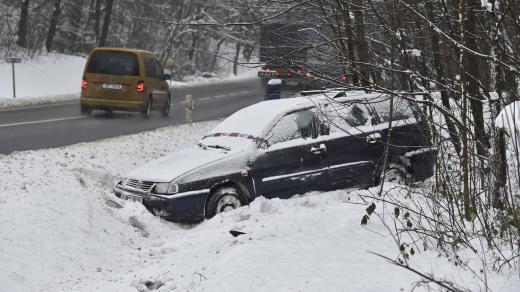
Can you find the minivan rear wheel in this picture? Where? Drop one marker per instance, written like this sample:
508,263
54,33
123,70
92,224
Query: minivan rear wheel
86,110
147,111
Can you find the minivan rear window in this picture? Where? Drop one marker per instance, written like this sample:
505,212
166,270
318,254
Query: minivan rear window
113,63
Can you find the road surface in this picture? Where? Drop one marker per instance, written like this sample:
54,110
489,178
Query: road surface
57,125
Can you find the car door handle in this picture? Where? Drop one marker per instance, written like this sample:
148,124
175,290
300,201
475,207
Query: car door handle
373,138
318,150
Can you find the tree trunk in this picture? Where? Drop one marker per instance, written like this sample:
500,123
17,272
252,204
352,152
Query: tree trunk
235,61
350,42
22,24
53,23
439,72
106,23
194,44
75,16
217,52
472,76
464,130
97,19
361,43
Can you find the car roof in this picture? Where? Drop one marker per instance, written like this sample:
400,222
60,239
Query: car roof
257,118
127,50
254,119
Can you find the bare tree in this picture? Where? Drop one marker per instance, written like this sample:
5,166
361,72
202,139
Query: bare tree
53,23
106,23
23,23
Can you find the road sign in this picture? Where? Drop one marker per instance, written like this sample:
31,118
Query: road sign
13,60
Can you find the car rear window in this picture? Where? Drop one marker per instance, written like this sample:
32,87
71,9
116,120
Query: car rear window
113,63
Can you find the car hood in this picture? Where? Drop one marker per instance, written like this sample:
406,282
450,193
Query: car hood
168,168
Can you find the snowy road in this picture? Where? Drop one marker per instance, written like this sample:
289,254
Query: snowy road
50,126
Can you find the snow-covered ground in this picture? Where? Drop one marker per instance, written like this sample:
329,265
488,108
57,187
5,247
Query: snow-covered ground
57,78
59,235
192,81
45,75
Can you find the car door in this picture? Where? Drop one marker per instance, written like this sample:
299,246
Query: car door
354,146
409,132
162,88
294,160
152,80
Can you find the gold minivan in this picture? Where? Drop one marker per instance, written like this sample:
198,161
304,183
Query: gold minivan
124,79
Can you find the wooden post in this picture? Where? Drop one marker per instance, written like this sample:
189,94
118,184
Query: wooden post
189,109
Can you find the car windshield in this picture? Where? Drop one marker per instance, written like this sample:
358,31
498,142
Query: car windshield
113,63
249,126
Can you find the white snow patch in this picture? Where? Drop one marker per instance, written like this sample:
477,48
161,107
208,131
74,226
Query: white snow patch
195,81
46,75
58,235
509,119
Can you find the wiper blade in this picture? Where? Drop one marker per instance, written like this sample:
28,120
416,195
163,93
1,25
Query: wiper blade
219,147
202,145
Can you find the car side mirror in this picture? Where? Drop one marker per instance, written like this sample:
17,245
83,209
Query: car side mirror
262,144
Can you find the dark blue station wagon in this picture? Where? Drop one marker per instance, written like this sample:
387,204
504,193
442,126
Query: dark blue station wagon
284,147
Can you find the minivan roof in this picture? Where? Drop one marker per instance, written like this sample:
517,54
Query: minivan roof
127,50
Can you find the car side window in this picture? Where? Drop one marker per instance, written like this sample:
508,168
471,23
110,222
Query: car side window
381,109
300,124
149,68
341,117
158,69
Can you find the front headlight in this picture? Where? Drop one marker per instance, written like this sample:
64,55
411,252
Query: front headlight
166,188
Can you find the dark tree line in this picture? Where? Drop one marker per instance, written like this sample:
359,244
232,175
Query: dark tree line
459,60
75,27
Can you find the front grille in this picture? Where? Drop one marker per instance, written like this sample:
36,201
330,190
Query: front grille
144,186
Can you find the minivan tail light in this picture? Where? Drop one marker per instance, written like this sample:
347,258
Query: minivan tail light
84,83
140,86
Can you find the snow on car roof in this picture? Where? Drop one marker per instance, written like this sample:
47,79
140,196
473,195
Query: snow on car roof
254,119
257,118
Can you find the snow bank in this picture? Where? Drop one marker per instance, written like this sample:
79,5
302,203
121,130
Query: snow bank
56,78
58,234
195,81
45,75
56,228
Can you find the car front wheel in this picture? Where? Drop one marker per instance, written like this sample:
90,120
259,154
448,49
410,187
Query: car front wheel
223,200
166,110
